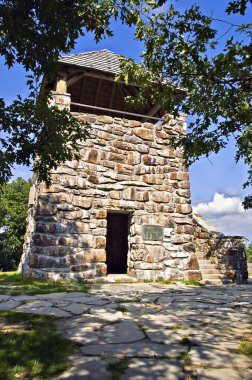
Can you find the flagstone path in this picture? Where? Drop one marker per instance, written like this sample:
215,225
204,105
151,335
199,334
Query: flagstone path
144,331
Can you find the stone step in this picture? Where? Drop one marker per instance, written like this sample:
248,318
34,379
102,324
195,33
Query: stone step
210,266
210,271
210,274
51,270
212,281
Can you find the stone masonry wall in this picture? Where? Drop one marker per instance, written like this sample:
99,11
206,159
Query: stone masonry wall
227,252
128,167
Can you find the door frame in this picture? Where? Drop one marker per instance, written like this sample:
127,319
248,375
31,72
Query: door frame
130,215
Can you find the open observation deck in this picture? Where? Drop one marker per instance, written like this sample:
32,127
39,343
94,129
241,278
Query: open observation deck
90,80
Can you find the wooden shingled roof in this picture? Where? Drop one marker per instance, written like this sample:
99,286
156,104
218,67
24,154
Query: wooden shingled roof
101,60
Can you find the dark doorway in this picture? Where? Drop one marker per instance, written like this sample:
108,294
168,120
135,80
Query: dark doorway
117,243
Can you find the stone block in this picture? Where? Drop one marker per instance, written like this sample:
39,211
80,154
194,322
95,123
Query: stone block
46,209
115,194
93,179
46,227
165,208
144,134
82,202
184,209
80,228
134,123
173,274
101,270
189,247
149,160
44,240
170,263
102,223
100,242
86,118
133,158
194,274
184,185
99,255
180,176
180,239
99,214
32,196
179,254
153,179
142,148
99,231
65,207
121,145
168,232
93,156
146,265
129,194
167,152
105,119
142,196
117,157
149,126
192,263
183,193
160,197
81,267
104,136
123,169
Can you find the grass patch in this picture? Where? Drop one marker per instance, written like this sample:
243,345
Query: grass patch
168,282
31,347
129,300
143,328
117,369
193,282
121,308
177,327
245,348
186,357
15,284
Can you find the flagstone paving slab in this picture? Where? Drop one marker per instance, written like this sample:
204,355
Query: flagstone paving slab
146,326
4,297
83,335
223,373
46,310
9,305
149,369
122,332
133,350
206,356
75,308
87,368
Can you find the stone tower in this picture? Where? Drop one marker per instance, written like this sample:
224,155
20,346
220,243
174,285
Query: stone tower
124,208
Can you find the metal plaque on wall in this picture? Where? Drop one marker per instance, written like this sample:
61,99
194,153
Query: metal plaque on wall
152,232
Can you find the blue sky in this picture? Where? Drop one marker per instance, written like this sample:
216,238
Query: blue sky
216,184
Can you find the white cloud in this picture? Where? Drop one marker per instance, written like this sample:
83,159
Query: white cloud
227,215
220,205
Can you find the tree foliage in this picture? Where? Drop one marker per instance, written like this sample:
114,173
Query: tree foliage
249,253
13,213
188,66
